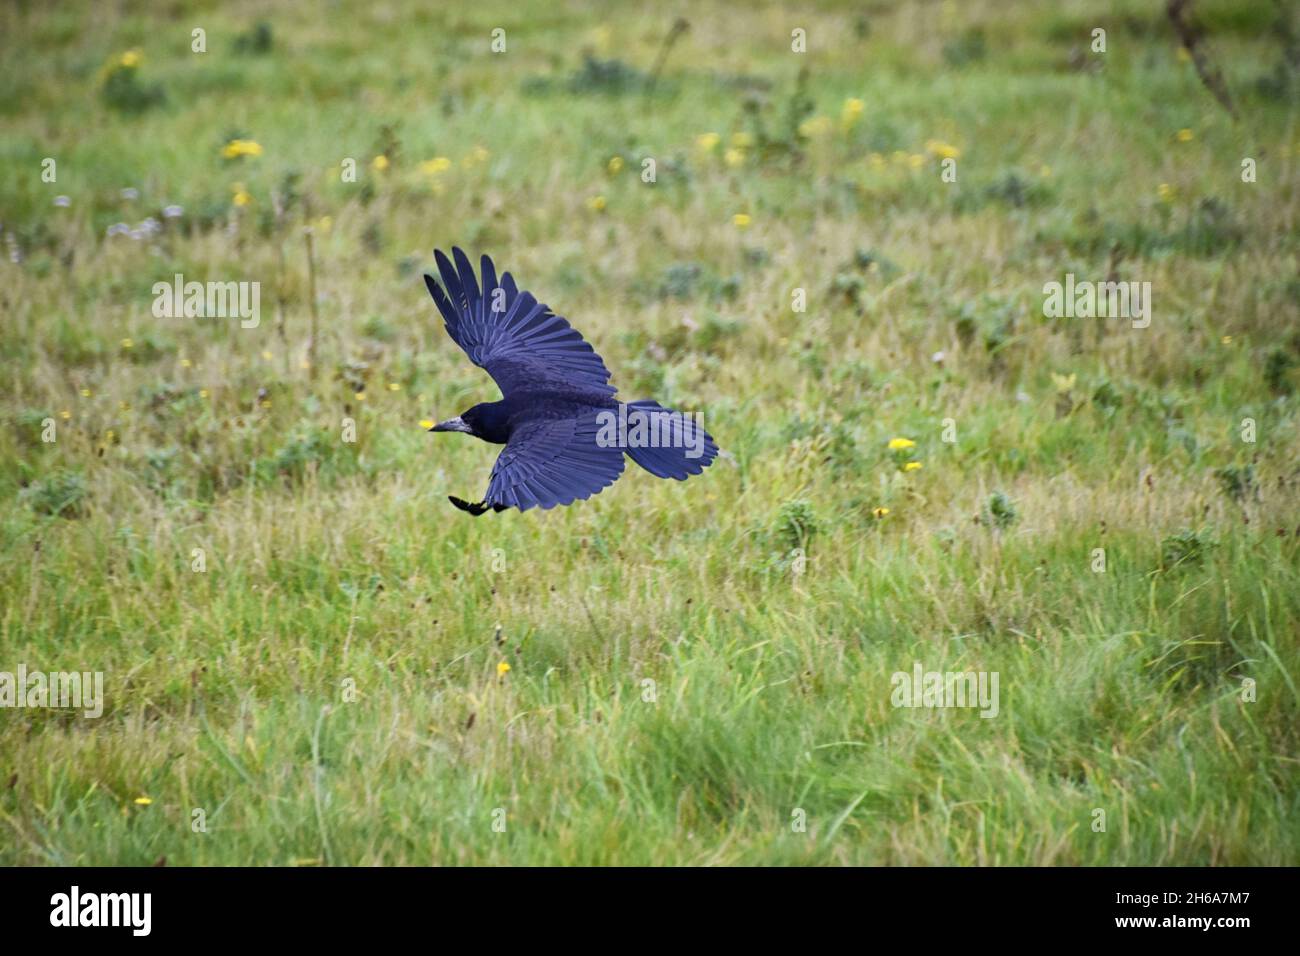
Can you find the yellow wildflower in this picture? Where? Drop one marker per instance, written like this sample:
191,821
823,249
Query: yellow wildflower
880,512
941,149
241,147
615,165
1064,383
852,112
426,423
143,801
912,466
379,163
131,59
734,157
503,668
1185,135
596,203
901,444
432,167
741,220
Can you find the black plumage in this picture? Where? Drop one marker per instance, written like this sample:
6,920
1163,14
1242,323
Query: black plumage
557,417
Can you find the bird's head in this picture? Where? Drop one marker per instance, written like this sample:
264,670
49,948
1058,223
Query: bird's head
485,420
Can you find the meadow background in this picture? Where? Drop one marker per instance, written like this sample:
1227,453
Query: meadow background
330,688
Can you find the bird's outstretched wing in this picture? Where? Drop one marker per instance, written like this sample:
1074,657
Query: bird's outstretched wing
553,462
516,339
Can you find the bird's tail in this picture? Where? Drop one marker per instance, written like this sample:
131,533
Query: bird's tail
665,442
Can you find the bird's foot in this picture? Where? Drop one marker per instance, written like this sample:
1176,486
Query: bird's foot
475,508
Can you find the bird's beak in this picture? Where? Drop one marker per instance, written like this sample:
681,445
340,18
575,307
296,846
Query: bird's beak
456,424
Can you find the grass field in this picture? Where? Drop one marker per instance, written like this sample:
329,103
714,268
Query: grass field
302,642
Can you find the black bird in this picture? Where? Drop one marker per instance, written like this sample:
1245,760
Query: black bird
565,433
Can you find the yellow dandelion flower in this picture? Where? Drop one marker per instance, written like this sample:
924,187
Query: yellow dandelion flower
394,387
128,343
65,414
1226,340
615,165
596,203
880,512
503,668
941,150
1184,135
142,801
131,59
241,147
85,393
242,196
852,112
1064,383
741,220
379,163
426,423
203,393
432,167
912,466
734,157
359,396
901,444
707,142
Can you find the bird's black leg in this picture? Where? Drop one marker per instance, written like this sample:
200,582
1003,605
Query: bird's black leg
476,508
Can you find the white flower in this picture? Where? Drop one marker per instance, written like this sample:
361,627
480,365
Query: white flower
118,229
63,202
172,212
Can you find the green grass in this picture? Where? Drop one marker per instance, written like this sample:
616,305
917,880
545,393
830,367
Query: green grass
693,667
